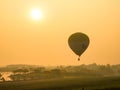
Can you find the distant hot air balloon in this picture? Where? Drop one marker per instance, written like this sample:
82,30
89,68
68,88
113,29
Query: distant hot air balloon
78,42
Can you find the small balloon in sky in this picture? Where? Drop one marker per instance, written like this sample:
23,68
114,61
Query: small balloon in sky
78,42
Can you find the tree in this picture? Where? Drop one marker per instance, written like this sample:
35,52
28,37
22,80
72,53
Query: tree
39,69
20,71
0,75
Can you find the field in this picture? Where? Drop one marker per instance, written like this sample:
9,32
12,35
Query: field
71,83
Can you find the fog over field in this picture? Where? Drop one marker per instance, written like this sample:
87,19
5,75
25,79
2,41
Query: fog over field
59,44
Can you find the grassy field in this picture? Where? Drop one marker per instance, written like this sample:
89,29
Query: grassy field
71,83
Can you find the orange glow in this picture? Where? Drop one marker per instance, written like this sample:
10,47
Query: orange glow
23,41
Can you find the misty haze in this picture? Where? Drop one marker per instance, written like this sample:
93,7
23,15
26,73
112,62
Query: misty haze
59,44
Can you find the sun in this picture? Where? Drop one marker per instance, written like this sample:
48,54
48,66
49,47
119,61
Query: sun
36,14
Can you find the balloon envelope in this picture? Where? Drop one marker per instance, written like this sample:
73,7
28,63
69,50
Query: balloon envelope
78,42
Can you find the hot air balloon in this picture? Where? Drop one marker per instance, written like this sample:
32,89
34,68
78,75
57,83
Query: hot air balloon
78,42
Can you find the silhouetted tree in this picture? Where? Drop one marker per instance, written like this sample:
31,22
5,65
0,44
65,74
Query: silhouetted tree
21,71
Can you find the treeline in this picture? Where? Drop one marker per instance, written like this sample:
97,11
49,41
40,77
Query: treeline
32,72
10,68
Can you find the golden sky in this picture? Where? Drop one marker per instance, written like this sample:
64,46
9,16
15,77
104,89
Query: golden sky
45,41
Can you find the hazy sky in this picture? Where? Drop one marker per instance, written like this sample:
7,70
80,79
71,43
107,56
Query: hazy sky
45,41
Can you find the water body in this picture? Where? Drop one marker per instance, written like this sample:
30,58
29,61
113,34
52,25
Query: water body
6,75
